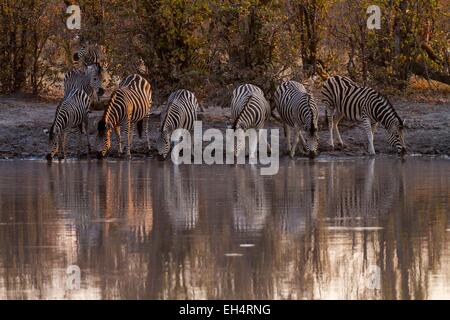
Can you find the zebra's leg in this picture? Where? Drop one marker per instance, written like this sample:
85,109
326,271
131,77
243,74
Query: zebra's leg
147,124
54,149
374,127
299,138
86,132
129,138
119,138
62,143
264,140
368,128
107,144
80,141
294,146
253,149
330,127
287,133
337,118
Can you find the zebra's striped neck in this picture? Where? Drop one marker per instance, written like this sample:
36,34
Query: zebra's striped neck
386,113
78,79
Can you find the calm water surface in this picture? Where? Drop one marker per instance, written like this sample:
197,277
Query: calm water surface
348,229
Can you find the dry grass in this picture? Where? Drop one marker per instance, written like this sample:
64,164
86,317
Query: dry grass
422,90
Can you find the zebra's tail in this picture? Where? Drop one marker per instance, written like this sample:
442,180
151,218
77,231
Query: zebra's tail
139,127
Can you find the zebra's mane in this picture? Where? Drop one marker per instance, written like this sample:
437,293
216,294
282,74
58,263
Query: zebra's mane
312,128
379,94
102,123
163,123
111,101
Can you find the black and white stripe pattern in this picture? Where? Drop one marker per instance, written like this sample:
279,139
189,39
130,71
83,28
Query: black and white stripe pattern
128,105
249,110
87,55
71,114
181,112
297,109
343,98
88,80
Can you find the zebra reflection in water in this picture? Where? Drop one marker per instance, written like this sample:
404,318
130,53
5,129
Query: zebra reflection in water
251,202
348,201
180,197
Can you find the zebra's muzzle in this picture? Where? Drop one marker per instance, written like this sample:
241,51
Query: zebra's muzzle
100,92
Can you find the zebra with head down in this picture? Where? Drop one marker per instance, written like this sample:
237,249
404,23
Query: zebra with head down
181,112
249,110
298,109
343,98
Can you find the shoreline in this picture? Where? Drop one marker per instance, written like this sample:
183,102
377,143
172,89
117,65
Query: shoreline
23,123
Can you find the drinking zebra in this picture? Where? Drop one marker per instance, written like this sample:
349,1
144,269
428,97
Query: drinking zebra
71,114
181,112
249,110
298,110
129,104
72,111
345,99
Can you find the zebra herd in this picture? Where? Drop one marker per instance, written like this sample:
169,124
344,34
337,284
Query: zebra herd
130,104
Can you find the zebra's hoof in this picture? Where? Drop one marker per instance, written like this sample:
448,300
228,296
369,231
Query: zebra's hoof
61,158
292,155
161,157
49,157
100,156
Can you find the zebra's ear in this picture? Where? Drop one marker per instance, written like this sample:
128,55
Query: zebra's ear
76,57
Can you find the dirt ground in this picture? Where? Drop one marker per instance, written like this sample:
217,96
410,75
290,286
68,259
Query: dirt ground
23,124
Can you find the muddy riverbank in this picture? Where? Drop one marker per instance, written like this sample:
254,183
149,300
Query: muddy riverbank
23,124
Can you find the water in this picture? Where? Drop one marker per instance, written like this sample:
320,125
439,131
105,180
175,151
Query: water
347,229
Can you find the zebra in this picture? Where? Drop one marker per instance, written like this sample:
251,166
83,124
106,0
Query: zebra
129,104
89,80
71,113
79,85
249,109
88,54
181,112
298,109
343,98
